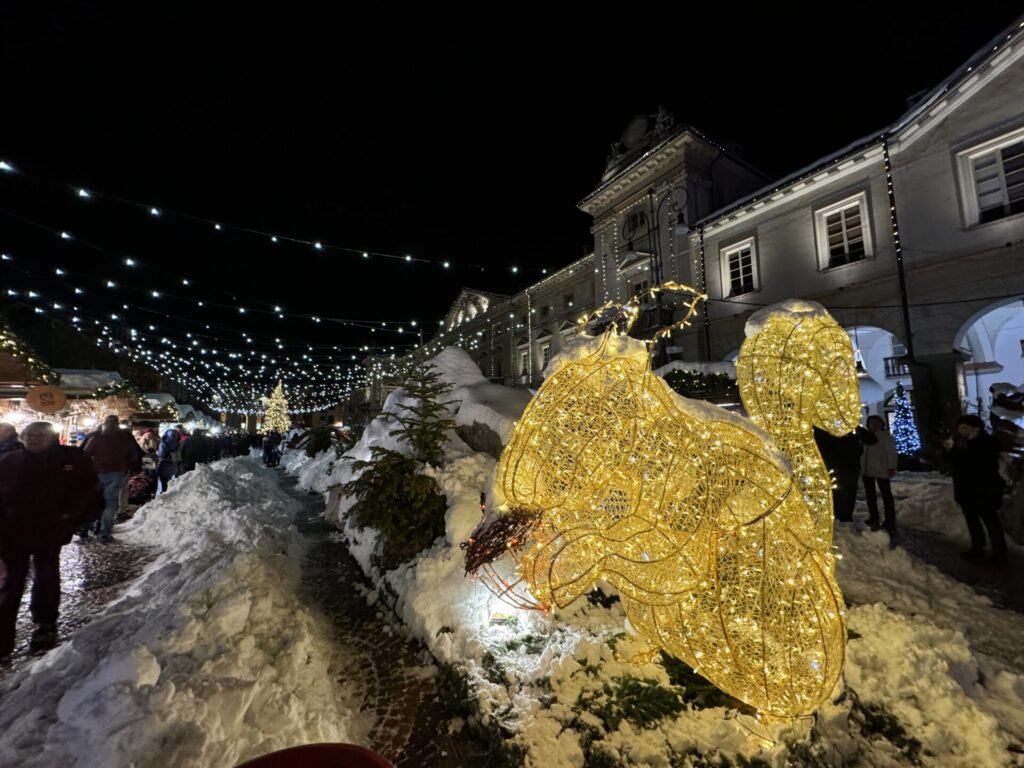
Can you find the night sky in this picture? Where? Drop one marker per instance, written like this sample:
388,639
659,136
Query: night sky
463,136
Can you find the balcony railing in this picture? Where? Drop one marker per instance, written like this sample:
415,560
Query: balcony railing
896,367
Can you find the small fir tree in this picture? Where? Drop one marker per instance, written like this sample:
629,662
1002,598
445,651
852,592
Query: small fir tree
391,495
904,430
277,411
425,423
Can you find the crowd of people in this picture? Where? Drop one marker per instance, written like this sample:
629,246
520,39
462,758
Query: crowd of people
49,492
869,456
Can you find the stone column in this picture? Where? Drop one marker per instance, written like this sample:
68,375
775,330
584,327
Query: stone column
937,397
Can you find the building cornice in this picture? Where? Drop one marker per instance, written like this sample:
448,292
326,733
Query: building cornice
954,95
637,172
985,64
809,183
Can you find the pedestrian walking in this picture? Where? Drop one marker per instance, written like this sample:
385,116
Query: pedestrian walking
46,490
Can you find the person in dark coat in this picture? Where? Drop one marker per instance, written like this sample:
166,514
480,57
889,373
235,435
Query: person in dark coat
45,492
842,457
115,455
8,438
977,486
198,449
168,457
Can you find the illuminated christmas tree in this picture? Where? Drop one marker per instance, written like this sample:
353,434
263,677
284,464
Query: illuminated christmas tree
277,416
904,430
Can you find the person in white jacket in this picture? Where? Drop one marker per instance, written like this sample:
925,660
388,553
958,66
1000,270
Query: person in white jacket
877,466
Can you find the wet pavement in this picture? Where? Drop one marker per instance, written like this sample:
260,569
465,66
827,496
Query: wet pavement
401,684
1003,585
93,575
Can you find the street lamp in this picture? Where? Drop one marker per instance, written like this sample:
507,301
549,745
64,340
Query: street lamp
677,207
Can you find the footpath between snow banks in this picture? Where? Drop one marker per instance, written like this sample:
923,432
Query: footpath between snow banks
208,660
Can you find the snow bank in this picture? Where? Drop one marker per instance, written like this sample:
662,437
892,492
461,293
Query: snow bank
206,661
480,401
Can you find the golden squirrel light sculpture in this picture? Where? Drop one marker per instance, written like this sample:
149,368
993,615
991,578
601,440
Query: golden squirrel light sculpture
717,540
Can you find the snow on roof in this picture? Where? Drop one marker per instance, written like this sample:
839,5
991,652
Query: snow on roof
927,102
87,378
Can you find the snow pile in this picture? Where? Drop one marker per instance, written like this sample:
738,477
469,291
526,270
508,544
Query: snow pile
480,401
208,660
925,500
87,378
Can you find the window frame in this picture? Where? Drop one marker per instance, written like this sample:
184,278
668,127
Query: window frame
821,214
726,252
969,208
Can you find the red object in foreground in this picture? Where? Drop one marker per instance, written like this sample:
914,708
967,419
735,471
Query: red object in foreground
320,756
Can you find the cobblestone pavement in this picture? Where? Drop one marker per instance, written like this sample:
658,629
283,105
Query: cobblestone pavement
415,726
93,575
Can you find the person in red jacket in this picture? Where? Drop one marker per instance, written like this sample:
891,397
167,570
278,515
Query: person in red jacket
45,491
114,454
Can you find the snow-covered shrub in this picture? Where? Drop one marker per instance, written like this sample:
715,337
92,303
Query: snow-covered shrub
405,506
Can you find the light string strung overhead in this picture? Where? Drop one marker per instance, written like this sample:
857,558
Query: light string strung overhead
160,291
276,340
91,194
243,379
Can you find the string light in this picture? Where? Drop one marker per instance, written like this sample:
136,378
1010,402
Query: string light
25,356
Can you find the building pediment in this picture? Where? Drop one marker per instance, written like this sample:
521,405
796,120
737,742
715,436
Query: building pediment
638,174
469,305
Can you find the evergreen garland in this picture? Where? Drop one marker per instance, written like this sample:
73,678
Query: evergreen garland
38,371
121,389
700,385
